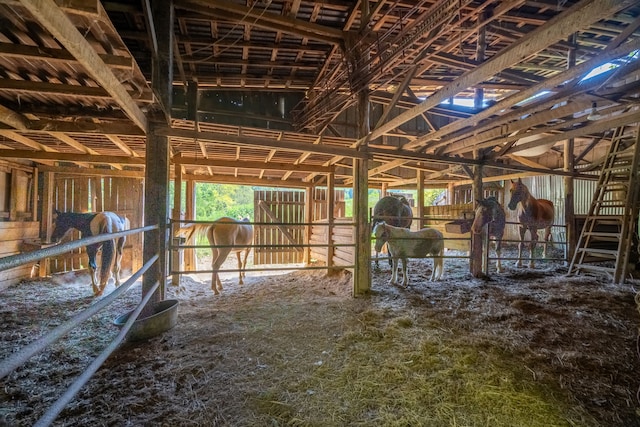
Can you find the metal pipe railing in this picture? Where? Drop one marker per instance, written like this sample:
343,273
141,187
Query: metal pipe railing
17,260
57,407
19,358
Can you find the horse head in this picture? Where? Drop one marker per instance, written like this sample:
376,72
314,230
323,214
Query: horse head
381,233
482,215
61,225
519,192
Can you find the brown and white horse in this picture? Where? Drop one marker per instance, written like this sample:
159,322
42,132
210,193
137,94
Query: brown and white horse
533,214
92,224
489,211
225,235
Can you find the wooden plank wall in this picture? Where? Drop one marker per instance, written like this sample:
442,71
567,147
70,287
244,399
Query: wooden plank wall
17,216
437,216
96,194
14,234
342,234
282,207
320,203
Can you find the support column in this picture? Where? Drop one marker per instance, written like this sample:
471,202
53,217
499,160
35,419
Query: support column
190,214
156,184
331,201
308,218
477,255
420,199
569,206
176,262
156,203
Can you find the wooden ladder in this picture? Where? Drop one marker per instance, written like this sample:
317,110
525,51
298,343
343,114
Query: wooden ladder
608,232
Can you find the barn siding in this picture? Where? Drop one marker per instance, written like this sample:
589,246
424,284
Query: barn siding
87,194
282,208
14,234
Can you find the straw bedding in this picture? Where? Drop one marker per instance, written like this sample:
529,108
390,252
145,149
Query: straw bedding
524,348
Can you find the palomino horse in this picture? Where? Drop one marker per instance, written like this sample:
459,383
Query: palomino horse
92,224
403,244
395,211
225,235
533,214
489,211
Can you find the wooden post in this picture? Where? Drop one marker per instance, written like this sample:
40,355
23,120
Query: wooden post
47,206
156,190
450,193
569,207
34,195
420,199
156,202
190,214
476,256
362,237
308,215
176,263
331,201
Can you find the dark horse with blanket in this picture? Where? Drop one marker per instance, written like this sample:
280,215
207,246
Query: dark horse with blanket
92,224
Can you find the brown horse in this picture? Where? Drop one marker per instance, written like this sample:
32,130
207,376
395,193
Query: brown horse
533,214
225,235
489,211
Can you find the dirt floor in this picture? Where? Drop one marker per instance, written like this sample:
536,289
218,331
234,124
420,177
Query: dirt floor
522,348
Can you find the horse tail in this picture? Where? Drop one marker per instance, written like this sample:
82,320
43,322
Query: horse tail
192,231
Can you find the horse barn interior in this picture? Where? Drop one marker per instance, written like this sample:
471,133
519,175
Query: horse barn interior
112,105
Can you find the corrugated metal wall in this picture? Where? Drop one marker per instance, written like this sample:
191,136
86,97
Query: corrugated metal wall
551,188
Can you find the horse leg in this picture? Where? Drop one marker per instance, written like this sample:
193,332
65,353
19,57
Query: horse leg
244,263
394,271
215,266
547,240
92,250
523,230
239,256
405,277
438,263
498,243
534,241
214,274
118,261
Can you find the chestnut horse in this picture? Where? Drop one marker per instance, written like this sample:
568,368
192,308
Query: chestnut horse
489,211
225,235
533,214
92,224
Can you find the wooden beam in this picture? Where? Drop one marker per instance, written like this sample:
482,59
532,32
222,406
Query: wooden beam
55,55
68,90
227,179
60,26
291,167
260,142
97,172
261,18
67,157
575,18
13,119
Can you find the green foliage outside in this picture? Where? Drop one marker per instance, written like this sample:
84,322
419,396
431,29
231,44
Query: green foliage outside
430,196
236,201
217,200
